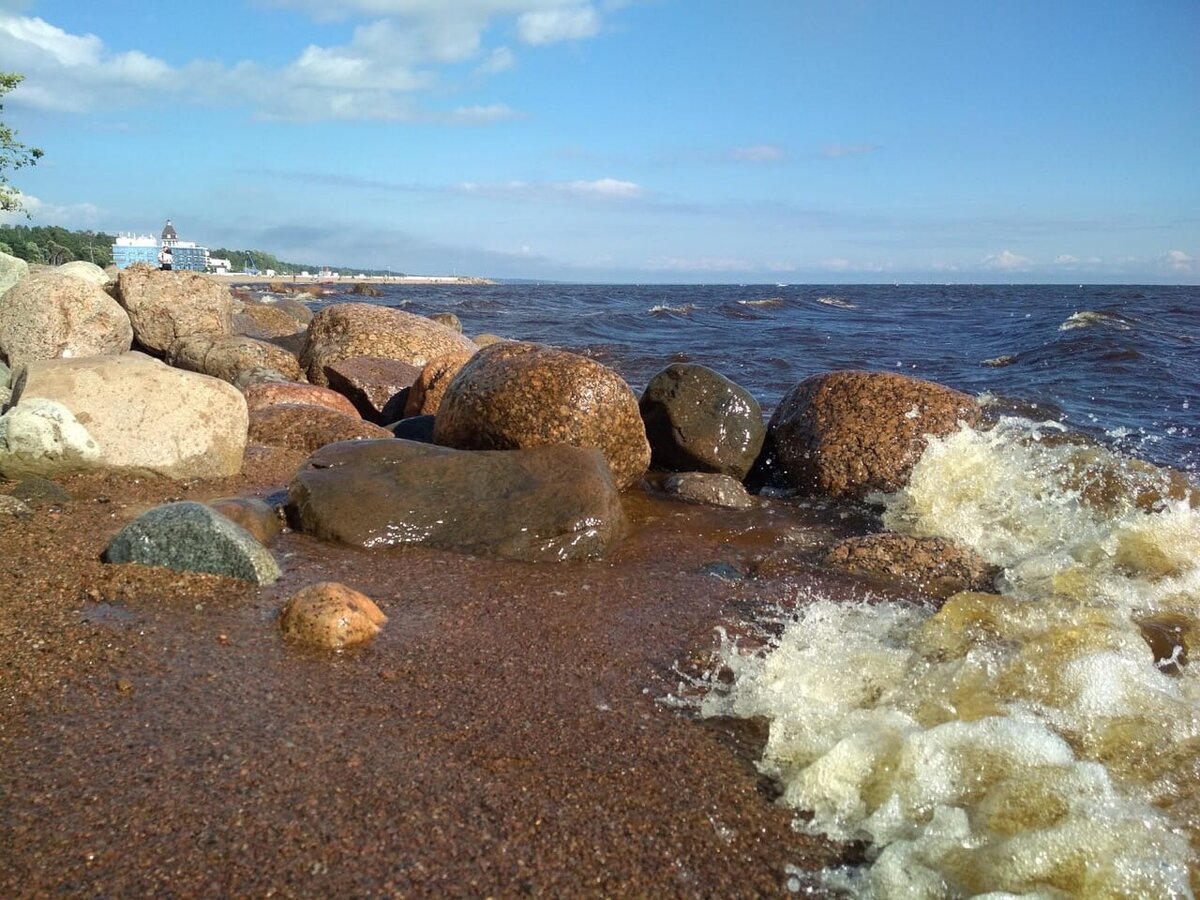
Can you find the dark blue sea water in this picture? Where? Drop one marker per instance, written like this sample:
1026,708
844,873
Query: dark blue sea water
1119,362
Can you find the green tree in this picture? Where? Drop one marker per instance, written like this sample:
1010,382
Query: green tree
13,155
4,248
33,253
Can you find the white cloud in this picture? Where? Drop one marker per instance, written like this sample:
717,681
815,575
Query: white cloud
1066,259
758,153
698,264
1005,261
75,215
1177,261
548,26
836,151
499,60
603,187
600,189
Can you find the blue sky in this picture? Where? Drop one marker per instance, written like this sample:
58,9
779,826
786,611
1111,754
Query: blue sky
628,140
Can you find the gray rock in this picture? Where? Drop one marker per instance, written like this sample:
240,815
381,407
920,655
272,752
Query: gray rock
697,420
190,537
85,271
544,504
12,270
709,489
38,491
14,506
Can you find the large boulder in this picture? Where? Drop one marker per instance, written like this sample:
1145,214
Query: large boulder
516,395
167,306
49,315
425,395
191,537
127,413
542,505
262,394
378,388
697,420
307,428
265,320
87,271
847,434
346,330
229,358
12,270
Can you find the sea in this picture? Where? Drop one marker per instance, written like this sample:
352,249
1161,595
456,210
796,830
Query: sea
1043,741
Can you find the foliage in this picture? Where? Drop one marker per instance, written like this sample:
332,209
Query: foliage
13,155
54,245
262,261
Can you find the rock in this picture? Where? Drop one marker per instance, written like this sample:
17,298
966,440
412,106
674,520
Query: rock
450,320
41,491
697,420
259,375
331,615
708,488
517,395
542,505
49,315
262,394
486,339
364,289
12,270
847,434
308,428
265,320
14,507
229,358
86,271
167,306
294,307
378,388
190,537
427,390
127,413
346,330
414,428
259,518
934,566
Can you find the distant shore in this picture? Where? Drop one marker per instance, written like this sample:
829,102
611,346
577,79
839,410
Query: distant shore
238,278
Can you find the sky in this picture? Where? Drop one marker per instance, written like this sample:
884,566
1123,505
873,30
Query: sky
645,141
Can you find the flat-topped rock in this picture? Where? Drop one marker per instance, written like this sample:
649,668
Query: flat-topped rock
308,428
378,388
167,306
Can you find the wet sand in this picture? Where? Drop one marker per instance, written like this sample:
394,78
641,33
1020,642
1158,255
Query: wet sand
504,735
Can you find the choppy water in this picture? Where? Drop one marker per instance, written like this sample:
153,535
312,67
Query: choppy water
1040,742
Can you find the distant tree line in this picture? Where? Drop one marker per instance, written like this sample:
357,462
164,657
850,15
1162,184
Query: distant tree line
262,261
54,246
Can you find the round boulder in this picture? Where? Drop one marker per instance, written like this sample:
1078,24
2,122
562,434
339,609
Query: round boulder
262,394
846,434
88,271
346,330
167,306
697,420
331,615
516,395
308,428
50,315
230,357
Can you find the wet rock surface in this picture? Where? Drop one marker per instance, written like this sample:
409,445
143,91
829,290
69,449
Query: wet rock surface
265,320
698,420
167,306
377,388
331,615
936,567
708,488
427,390
517,395
192,537
346,330
846,434
308,428
545,504
256,516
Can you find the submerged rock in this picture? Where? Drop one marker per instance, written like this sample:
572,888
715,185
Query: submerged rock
518,395
449,319
847,434
543,504
698,420
190,537
709,489
331,615
933,565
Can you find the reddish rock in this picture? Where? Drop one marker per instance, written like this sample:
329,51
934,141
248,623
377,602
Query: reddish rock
846,434
934,566
346,330
378,388
427,391
516,395
167,306
276,393
308,428
52,315
264,320
331,615
256,516
231,357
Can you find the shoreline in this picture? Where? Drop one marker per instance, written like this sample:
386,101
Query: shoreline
239,279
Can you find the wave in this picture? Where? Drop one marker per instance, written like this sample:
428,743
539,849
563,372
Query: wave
1091,318
1039,740
663,309
769,301
839,302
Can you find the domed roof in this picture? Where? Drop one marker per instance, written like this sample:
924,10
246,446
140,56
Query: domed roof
169,232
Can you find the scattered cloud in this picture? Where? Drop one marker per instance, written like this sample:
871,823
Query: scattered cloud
1177,261
600,189
698,264
1005,261
758,153
74,215
1066,259
570,23
837,151
499,60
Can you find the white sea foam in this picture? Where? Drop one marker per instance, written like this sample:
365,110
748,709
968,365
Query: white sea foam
1089,318
661,308
839,302
1027,743
768,301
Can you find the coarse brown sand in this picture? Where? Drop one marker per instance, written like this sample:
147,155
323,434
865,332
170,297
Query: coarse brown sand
504,735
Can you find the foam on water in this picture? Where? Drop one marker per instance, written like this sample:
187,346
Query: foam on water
1040,742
